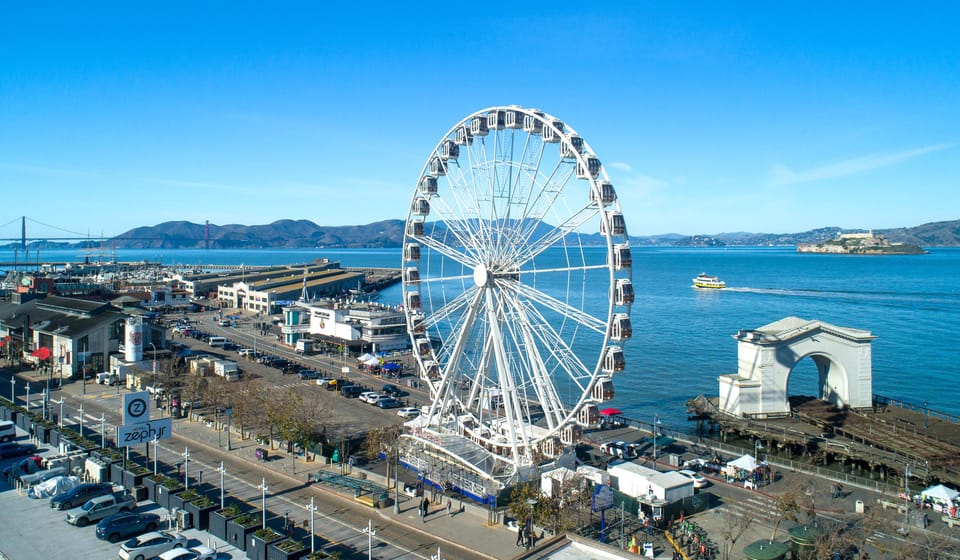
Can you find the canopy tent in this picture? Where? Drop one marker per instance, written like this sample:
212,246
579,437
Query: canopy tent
372,361
940,493
745,463
390,366
611,412
365,357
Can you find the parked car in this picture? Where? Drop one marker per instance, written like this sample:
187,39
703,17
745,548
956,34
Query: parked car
80,495
149,545
408,412
309,374
336,384
620,449
121,526
99,508
351,391
370,397
698,480
8,430
12,449
393,391
192,553
388,402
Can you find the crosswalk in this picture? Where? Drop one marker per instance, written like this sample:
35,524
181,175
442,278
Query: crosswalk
755,506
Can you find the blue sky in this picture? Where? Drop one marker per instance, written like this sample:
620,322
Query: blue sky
709,117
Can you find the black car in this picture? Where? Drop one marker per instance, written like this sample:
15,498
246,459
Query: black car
393,391
79,495
389,402
124,525
309,374
351,391
11,449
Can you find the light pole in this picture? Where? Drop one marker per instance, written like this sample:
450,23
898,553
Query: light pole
81,419
44,401
156,452
156,388
103,433
370,534
222,472
396,486
656,427
263,501
229,413
13,384
28,395
906,500
313,511
186,468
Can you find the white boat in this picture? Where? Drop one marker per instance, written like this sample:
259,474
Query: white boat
706,281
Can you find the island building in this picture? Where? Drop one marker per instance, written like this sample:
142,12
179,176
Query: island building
859,244
344,323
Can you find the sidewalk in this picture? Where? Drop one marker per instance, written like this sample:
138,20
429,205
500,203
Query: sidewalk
466,527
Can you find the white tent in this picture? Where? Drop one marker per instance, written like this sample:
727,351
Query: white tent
365,357
746,463
940,493
372,361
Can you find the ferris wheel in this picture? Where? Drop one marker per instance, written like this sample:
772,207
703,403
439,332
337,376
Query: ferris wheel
516,284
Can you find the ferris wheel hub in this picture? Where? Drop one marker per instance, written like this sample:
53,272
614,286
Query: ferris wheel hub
480,276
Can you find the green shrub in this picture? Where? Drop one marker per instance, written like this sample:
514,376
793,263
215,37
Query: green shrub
289,545
267,534
230,511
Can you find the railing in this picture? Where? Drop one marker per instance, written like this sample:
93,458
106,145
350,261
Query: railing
881,400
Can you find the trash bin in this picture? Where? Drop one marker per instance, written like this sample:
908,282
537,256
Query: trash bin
858,506
261,454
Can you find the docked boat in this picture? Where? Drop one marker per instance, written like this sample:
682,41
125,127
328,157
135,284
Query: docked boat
705,281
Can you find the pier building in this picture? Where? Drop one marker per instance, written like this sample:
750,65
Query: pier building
366,326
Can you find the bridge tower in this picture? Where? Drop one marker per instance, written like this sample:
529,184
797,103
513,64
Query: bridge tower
206,235
23,233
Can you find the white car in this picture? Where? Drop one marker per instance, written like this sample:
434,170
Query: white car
149,545
193,553
698,480
370,397
408,412
245,351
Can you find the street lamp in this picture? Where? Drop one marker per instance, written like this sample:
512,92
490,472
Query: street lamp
370,534
263,497
156,452
656,428
186,468
13,383
103,433
313,511
222,470
81,419
28,395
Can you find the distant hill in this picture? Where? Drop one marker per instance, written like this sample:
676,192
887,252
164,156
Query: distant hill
389,233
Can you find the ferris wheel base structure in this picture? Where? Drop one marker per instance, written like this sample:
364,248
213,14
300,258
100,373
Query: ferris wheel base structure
517,289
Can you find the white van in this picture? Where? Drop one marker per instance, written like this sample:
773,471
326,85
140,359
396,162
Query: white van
8,431
217,341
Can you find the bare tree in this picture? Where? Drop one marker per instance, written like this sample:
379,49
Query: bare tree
383,439
791,503
734,526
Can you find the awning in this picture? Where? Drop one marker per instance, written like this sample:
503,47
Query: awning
611,412
390,366
42,353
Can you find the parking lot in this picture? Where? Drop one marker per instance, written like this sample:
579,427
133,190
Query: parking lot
31,529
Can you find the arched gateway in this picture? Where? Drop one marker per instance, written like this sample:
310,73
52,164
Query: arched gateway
766,357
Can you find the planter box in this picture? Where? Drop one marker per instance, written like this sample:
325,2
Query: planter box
24,421
237,533
200,515
217,525
116,473
42,432
130,478
54,438
175,500
275,553
257,547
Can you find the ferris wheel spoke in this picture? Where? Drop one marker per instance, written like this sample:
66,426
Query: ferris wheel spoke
531,248
539,377
447,251
449,372
566,359
460,223
568,311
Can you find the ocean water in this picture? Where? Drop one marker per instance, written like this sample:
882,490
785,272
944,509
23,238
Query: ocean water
683,337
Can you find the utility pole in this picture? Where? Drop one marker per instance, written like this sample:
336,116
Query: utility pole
370,534
313,511
222,472
263,497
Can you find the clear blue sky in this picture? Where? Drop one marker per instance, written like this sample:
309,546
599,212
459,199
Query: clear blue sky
709,116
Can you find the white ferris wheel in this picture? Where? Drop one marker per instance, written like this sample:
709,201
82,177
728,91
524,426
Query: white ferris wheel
516,288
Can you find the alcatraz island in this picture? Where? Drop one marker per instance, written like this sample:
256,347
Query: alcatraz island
860,244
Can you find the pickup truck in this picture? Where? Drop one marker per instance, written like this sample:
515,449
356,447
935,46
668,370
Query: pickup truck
97,508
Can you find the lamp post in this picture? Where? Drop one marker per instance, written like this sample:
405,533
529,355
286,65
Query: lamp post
313,511
396,486
186,468
156,452
263,501
154,365
28,395
370,534
222,470
13,385
656,427
906,500
43,401
103,432
81,419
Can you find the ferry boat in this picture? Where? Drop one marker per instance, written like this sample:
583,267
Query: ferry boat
705,281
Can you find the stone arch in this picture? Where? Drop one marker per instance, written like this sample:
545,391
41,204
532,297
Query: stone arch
767,356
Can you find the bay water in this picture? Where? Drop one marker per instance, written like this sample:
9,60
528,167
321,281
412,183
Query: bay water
682,337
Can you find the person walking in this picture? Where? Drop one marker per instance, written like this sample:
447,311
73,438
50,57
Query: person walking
449,507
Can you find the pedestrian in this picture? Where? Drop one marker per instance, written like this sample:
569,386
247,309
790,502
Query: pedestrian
840,491
449,507
519,537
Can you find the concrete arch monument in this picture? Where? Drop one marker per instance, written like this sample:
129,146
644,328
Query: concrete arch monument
766,356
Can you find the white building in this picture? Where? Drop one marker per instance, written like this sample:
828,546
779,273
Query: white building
367,327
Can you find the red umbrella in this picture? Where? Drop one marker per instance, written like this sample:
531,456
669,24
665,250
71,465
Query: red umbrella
611,412
43,353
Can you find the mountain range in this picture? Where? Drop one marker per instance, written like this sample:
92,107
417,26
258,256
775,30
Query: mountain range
389,233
